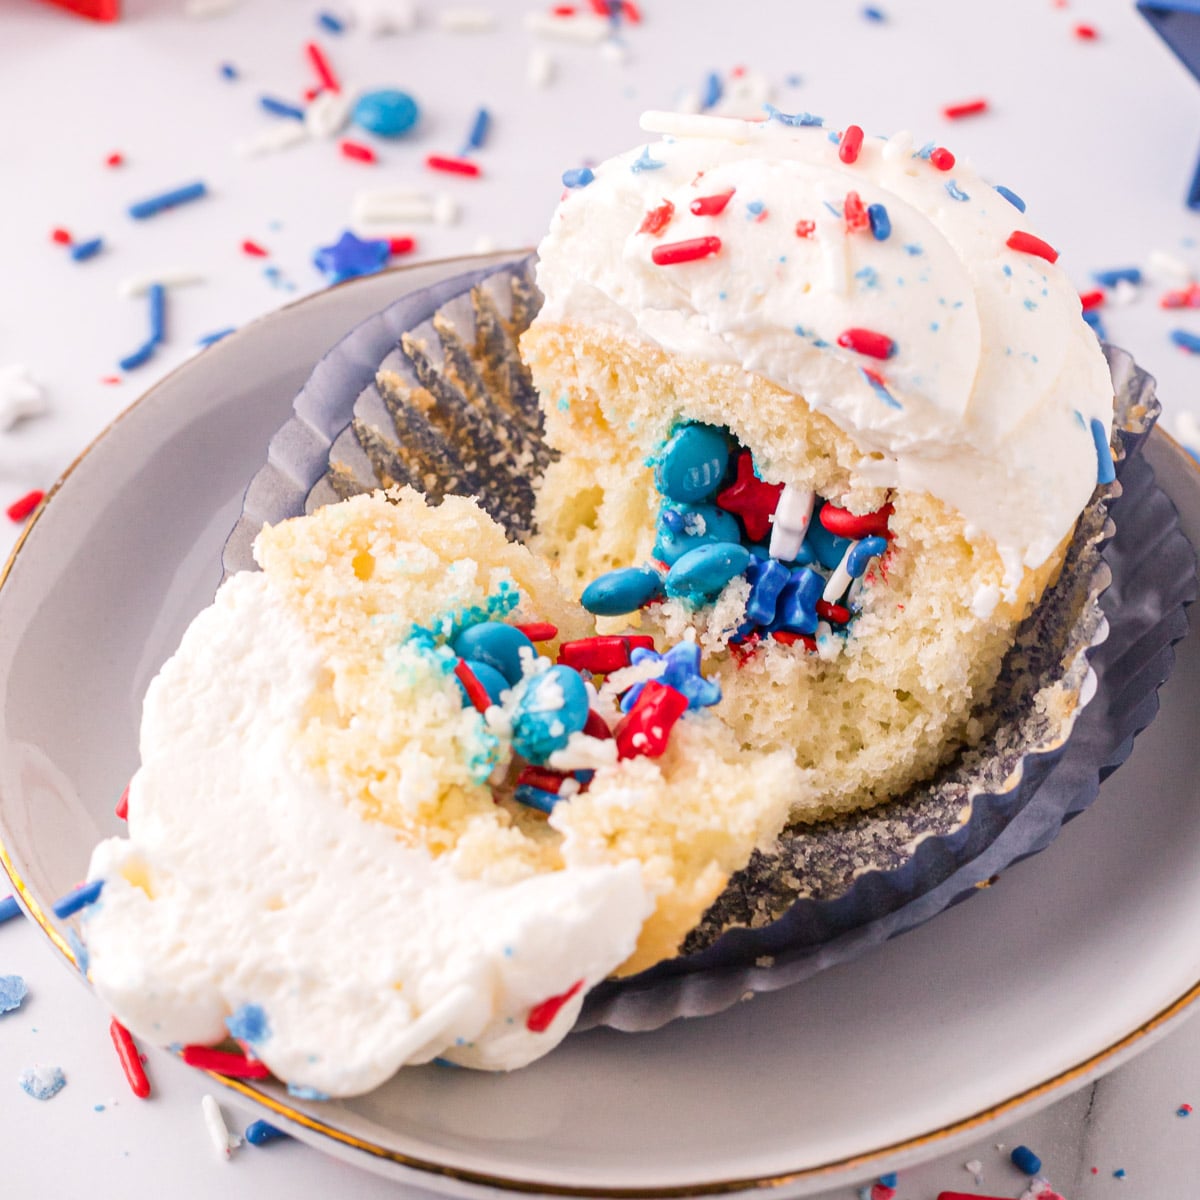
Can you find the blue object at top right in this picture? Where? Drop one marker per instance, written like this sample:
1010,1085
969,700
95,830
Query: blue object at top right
1177,22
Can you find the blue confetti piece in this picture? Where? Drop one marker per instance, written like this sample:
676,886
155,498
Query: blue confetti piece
875,15
755,208
926,150
330,23
645,163
281,108
12,992
578,177
81,897
249,1024
164,200
9,909
1119,1173
82,251
43,1083
799,120
303,1092
713,91
1105,472
229,71
210,339
259,1133
1186,341
880,390
1011,197
955,192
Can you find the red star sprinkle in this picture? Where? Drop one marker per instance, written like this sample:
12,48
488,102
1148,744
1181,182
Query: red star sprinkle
657,219
751,499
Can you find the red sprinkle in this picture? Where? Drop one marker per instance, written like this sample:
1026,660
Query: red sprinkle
806,228
646,727
563,10
631,12
122,809
942,159
965,1196
711,206
601,655
850,144
596,726
61,236
968,108
541,1015
835,613
476,692
254,249
688,251
790,639
1091,299
225,1062
856,213
657,219
320,63
310,94
1028,244
542,777
131,1062
868,342
452,166
401,245
110,379
1188,297
357,151
1086,33
842,523
539,631
600,8
116,159
18,510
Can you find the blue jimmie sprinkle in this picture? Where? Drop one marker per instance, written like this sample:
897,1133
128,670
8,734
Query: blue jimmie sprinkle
881,391
157,295
9,909
1186,341
259,1133
210,339
43,1083
281,108
1011,197
479,130
798,120
835,137
81,897
578,177
164,200
1106,472
873,14
229,71
249,1024
861,554
12,992
955,192
302,1092
645,163
926,150
82,251
912,249
833,208
536,797
138,358
713,91
1117,275
881,223
331,23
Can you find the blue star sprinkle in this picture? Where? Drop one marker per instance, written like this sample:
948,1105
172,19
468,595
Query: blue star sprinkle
350,256
682,672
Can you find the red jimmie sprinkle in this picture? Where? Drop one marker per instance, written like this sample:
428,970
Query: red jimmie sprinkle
868,342
596,726
687,251
657,219
131,1062
122,809
600,8
856,213
850,144
310,94
115,159
254,249
401,245
18,510
968,108
790,639
452,166
835,613
320,63
942,159
542,1015
357,151
1091,299
1188,297
631,12
711,206
601,655
845,524
476,692
646,727
61,236
225,1062
541,777
965,1196
1028,244
805,228
563,10
539,631
1086,33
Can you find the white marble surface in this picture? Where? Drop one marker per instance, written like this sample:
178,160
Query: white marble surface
1099,137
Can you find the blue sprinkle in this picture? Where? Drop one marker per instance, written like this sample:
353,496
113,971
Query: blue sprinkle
479,130
350,256
767,580
82,251
97,1108
881,391
1119,1173
1030,305
833,208
9,909
926,150
43,1083
800,120
1117,275
913,249
164,200
259,1133
138,358
229,71
861,554
445,1062
934,326
1011,197
1185,340
755,208
578,177
890,1179
302,1092
81,897
1106,472
1025,1160
536,797
157,295
713,91
645,163
331,23
835,137
249,1024
955,192
210,339
873,14
868,276
1007,270
881,223
12,992
281,108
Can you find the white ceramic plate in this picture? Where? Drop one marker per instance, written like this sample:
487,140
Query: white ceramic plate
1072,962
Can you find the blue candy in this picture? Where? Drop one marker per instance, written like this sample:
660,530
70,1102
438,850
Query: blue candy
622,591
553,706
1025,1160
489,678
863,552
679,525
497,645
768,579
827,547
700,574
387,112
693,463
796,611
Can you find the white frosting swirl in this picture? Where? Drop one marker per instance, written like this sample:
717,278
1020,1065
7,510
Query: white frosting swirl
988,399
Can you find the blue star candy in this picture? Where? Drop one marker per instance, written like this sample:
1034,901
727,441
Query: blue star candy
350,256
682,673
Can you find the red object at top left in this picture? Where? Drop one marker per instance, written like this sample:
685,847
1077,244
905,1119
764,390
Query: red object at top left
98,10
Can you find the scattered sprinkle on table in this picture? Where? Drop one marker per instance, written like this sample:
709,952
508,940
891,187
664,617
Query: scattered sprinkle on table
153,205
9,909
12,992
19,510
222,1139
43,1083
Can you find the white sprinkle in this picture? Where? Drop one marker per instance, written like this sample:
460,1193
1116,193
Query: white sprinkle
831,237
208,8
21,396
282,135
539,70
1124,292
828,646
583,27
467,20
138,285
218,1131
839,581
898,148
378,17
327,115
792,515
376,212
445,209
729,129
1168,269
